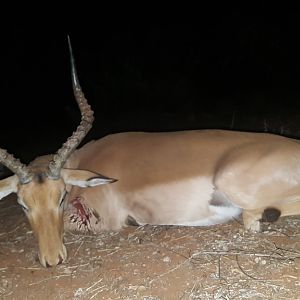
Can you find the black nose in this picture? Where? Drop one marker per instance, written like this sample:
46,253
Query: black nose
60,260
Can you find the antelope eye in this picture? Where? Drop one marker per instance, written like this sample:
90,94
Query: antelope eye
24,208
62,199
21,203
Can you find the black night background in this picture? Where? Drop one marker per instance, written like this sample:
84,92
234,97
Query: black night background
232,70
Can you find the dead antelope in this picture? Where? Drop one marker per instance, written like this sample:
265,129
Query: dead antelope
189,178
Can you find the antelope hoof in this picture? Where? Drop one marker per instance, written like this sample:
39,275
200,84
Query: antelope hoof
53,260
252,225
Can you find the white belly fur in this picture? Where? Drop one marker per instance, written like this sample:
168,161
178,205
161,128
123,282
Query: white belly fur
219,215
185,203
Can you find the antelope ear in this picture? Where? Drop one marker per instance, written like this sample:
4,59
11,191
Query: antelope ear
84,178
8,185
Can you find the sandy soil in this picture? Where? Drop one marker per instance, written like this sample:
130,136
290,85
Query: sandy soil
153,262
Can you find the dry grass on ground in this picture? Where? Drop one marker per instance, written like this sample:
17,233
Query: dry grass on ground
154,262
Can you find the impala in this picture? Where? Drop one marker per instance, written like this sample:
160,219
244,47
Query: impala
188,178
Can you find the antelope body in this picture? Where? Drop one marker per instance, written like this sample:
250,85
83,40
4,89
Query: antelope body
189,178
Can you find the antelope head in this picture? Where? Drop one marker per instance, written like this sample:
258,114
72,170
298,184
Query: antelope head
41,188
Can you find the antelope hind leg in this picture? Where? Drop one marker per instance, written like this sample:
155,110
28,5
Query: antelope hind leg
252,218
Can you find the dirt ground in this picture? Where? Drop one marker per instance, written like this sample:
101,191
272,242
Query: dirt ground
153,262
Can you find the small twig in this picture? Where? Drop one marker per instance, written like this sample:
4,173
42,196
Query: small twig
219,267
181,237
104,250
177,253
30,268
169,271
94,284
78,266
242,270
237,221
111,253
243,253
78,239
97,291
280,232
77,250
80,234
288,250
80,292
49,278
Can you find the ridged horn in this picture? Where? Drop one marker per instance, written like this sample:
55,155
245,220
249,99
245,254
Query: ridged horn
87,118
15,166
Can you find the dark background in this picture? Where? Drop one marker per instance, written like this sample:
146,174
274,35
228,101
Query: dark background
229,70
